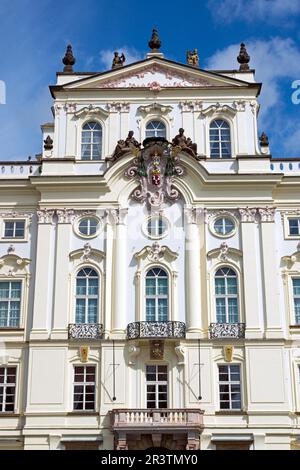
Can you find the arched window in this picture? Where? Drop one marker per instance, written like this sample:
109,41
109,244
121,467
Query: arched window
219,137
226,295
91,141
155,129
157,295
87,296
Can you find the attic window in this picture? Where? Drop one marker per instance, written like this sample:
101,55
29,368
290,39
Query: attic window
155,129
220,141
91,141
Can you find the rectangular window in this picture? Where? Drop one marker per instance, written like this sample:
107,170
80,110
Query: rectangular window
84,388
10,304
14,228
294,226
296,298
157,386
7,389
230,387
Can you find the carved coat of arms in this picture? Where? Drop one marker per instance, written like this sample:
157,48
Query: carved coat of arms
155,167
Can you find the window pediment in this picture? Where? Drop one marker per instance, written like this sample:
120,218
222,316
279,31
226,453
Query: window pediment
156,253
291,262
155,108
86,254
92,112
12,265
219,108
225,253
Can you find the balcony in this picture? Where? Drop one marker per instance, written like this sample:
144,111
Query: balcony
90,331
173,429
157,329
174,420
227,330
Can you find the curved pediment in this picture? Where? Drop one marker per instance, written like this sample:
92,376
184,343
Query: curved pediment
12,265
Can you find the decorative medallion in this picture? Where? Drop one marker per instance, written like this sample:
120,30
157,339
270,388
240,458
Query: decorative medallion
228,353
155,168
157,350
84,353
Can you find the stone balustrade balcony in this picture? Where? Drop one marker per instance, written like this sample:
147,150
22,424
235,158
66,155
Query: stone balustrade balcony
174,420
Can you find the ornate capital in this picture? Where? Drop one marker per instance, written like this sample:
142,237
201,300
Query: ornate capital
118,216
192,214
239,105
45,216
190,106
248,214
267,214
70,108
65,216
118,107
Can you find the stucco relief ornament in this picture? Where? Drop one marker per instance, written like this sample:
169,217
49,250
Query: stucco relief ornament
155,168
86,252
224,251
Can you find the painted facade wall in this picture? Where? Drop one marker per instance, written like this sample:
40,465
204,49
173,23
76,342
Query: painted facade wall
61,189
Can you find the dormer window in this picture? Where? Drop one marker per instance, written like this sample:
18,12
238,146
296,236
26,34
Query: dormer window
91,141
156,129
220,140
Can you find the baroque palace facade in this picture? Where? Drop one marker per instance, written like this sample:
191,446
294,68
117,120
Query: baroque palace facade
150,276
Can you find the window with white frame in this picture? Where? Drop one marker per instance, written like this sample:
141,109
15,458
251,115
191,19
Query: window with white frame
294,226
224,226
91,141
7,389
155,129
226,296
230,387
14,229
84,388
296,298
88,226
10,304
157,386
157,226
87,296
157,295
220,140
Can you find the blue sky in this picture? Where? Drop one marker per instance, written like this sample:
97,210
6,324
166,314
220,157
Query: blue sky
34,35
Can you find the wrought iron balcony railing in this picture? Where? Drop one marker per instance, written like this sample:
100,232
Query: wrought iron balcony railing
85,331
227,330
156,329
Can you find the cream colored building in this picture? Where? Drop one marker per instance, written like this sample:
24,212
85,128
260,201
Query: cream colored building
150,296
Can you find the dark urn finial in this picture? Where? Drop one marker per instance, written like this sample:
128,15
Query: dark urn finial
154,42
264,140
243,58
69,60
48,143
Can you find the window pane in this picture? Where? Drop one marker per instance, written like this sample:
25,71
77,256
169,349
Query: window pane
80,311
294,226
220,310
220,285
150,309
162,309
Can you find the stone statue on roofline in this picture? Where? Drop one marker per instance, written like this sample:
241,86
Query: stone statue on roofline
118,60
192,58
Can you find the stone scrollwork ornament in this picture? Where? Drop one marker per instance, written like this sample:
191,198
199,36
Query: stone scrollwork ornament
155,168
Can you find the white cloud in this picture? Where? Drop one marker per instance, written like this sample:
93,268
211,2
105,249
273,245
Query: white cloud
277,64
131,55
254,10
